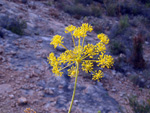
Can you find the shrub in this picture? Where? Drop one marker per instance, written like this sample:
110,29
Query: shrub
146,74
135,79
96,10
78,9
97,28
111,9
84,2
137,54
124,22
13,24
17,27
137,107
117,47
81,10
144,1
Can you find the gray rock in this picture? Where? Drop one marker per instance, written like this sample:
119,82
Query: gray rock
22,101
142,82
114,90
11,96
5,88
122,94
48,91
1,50
24,1
61,49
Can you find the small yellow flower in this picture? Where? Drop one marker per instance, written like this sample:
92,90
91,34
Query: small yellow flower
57,40
90,50
100,47
87,66
97,75
85,27
105,61
78,32
80,53
70,28
104,38
28,110
72,71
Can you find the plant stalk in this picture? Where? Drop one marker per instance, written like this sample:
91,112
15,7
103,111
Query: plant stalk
77,63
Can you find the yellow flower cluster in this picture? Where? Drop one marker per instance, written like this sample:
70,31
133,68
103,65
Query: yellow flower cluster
57,40
29,110
81,53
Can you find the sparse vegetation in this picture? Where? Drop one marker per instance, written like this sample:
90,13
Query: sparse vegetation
138,107
144,1
97,28
124,22
78,9
116,47
111,9
137,54
99,111
84,2
146,74
17,27
81,10
135,79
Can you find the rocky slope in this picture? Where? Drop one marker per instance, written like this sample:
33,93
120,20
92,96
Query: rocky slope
26,79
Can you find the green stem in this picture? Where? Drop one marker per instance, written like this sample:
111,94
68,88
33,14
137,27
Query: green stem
73,39
77,63
63,46
83,41
90,60
79,42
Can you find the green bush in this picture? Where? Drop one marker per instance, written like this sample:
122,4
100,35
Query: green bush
17,26
117,47
137,53
146,74
135,79
124,22
96,11
82,10
144,1
111,9
77,10
137,107
84,2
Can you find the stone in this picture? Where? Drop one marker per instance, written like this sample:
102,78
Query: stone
2,59
61,49
41,93
39,41
60,86
113,90
22,101
142,82
5,88
27,76
11,96
113,72
122,94
49,91
53,103
1,50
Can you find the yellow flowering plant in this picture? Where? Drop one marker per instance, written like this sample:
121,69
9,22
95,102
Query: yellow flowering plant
80,55
29,110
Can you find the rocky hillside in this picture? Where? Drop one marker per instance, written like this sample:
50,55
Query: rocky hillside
26,79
